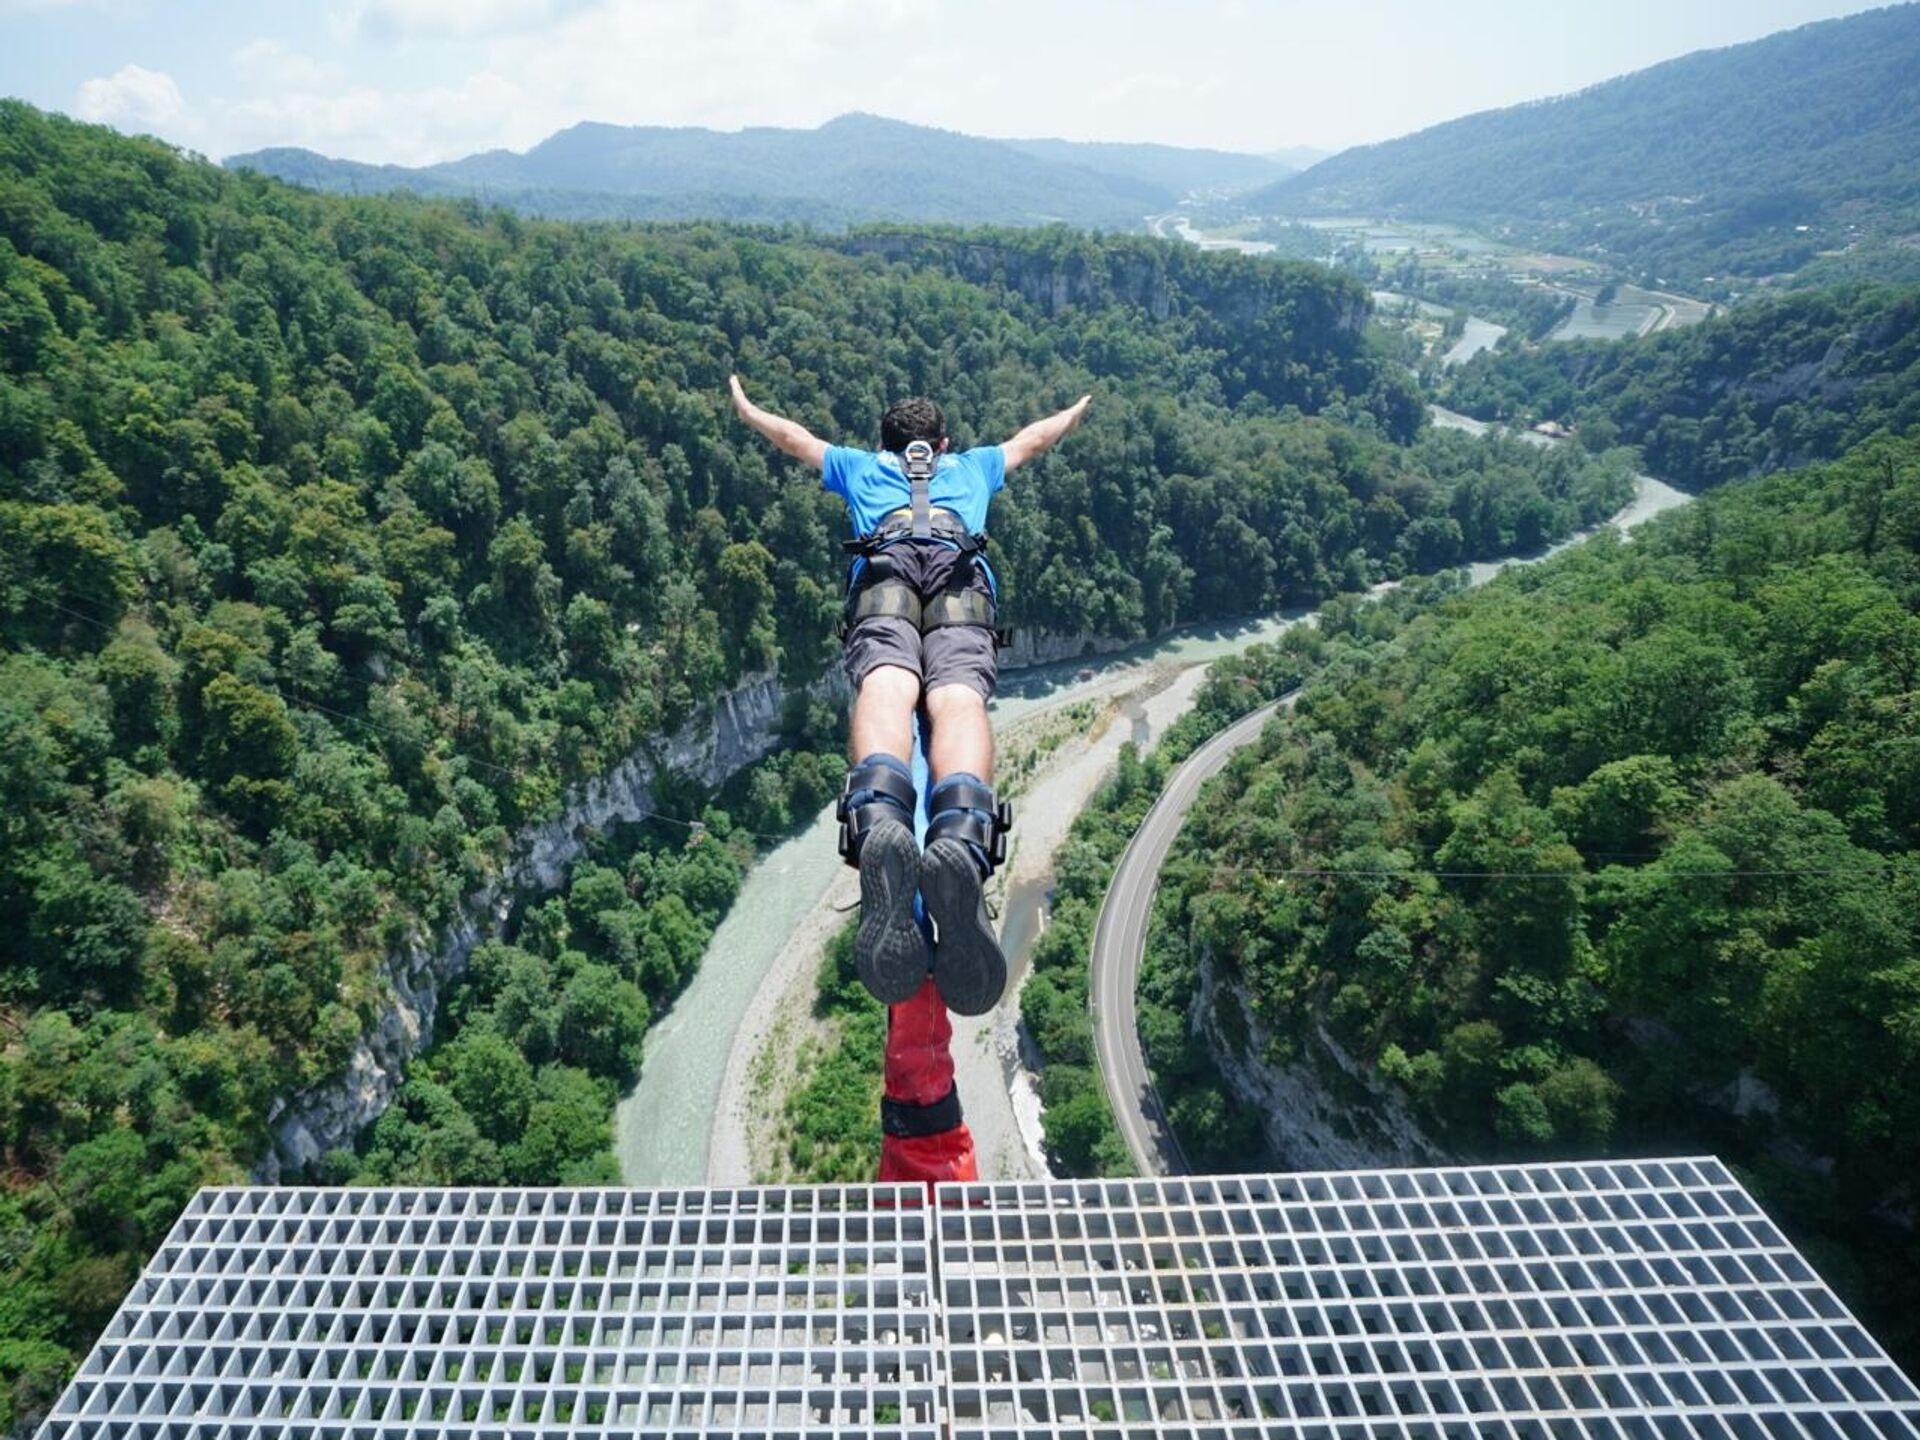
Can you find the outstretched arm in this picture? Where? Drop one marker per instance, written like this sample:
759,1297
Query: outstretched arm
787,436
1042,435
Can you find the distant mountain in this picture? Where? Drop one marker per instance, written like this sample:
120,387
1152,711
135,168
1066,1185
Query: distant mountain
855,168
1295,157
1174,169
1745,161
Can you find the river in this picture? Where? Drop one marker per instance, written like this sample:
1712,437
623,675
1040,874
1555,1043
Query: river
1480,334
663,1126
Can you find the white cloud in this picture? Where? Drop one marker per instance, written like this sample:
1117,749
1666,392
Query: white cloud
442,19
268,65
35,7
134,98
299,101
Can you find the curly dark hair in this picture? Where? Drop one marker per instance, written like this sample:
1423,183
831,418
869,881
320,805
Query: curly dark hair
910,420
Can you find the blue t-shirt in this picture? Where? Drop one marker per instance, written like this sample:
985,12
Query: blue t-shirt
875,485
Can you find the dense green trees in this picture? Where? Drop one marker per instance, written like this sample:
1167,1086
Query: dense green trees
1616,853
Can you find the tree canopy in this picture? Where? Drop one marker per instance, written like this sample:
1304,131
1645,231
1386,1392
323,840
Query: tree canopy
1618,853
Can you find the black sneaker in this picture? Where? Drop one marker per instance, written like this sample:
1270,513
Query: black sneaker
969,967
890,949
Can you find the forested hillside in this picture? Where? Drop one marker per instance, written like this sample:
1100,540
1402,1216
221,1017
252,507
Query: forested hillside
856,168
339,538
1765,386
1617,855
1743,162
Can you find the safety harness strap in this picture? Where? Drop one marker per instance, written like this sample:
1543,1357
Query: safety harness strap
987,836
897,525
897,600
919,467
907,1121
963,792
886,599
957,607
891,796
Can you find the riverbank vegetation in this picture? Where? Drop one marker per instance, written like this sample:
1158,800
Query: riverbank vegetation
1769,385
1081,1135
1615,855
828,1128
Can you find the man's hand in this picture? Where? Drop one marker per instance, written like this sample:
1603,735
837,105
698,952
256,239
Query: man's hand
1042,435
786,436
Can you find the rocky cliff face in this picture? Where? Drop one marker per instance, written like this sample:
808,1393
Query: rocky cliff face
1325,1111
1039,647
734,731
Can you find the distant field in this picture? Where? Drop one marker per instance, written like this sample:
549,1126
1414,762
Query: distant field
1445,246
1633,311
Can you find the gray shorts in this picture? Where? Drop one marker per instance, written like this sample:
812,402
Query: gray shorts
945,655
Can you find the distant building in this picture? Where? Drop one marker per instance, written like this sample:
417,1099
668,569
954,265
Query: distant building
1620,1298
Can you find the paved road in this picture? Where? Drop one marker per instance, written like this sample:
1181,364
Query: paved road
1120,940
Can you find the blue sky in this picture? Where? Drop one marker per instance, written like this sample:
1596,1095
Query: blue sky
411,81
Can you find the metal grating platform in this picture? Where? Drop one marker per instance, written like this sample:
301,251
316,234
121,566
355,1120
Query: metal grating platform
325,1314
1606,1299
1649,1298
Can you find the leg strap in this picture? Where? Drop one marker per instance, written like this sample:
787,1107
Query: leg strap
879,790
962,807
897,600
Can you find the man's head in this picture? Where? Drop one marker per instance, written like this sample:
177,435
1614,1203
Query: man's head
910,420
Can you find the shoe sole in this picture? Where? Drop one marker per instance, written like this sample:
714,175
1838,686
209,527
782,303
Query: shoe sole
890,949
969,967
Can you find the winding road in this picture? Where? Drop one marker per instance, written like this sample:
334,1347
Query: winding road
1120,941
1120,934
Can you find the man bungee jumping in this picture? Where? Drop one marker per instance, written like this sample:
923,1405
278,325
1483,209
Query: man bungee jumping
919,638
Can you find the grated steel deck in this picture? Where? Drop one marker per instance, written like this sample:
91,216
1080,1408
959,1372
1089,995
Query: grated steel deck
1648,1298
1644,1298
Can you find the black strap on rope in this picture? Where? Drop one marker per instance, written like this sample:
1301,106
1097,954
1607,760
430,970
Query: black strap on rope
905,1121
918,460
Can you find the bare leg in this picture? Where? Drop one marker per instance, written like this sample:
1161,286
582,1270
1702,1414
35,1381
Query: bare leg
883,714
962,740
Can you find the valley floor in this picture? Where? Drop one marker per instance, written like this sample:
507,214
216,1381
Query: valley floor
1136,702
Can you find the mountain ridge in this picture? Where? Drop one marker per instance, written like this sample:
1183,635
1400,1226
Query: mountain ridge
855,167
1749,160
